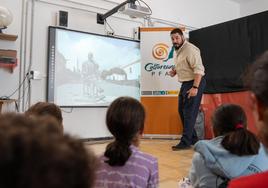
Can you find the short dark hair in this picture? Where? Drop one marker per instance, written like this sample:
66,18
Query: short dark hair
230,120
31,157
44,109
124,119
176,30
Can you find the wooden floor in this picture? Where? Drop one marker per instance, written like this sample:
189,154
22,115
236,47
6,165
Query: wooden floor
173,165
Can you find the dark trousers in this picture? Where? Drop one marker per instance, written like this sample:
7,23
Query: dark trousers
188,110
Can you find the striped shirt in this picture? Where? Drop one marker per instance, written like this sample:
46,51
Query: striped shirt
140,171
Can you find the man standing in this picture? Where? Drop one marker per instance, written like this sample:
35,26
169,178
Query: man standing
90,75
190,72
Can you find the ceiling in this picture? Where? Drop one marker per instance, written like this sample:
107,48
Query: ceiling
241,1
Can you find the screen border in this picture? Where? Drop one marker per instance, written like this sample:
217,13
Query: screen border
51,63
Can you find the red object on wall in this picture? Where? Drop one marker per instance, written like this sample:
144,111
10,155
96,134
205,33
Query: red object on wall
12,64
211,101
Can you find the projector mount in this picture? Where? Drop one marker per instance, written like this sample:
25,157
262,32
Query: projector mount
102,17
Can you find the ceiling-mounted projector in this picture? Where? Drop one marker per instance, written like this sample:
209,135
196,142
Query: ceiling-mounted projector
128,7
135,11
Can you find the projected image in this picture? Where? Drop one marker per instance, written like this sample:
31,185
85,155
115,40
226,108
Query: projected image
93,70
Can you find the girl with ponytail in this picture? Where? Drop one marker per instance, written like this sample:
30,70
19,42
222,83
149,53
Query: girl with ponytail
234,151
122,164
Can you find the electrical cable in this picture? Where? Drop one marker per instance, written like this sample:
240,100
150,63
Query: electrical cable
8,96
147,6
24,89
28,93
16,106
109,26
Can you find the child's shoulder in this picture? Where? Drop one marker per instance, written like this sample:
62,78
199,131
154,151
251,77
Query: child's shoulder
143,156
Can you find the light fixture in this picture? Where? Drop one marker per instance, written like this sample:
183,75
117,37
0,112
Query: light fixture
6,18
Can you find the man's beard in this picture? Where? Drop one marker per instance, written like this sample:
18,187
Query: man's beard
177,45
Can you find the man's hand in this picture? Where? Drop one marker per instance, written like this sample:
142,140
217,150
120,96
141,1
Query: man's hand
172,72
192,92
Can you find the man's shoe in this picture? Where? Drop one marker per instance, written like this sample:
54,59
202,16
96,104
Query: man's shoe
194,141
180,146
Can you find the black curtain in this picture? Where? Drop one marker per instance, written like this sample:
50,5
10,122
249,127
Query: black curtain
227,49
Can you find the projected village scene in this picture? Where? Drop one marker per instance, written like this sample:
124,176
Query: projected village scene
93,70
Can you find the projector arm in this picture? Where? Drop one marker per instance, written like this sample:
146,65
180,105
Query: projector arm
102,17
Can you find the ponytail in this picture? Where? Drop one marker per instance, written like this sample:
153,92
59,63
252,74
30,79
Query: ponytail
117,153
125,120
241,142
230,120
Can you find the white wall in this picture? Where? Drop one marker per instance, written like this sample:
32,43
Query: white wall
9,81
195,13
252,7
90,122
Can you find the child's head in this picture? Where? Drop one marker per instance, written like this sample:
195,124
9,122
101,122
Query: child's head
33,156
257,81
44,110
125,120
229,120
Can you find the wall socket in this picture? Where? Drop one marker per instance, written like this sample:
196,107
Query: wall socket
136,33
35,75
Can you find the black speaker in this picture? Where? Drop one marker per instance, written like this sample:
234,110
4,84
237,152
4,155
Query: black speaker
63,18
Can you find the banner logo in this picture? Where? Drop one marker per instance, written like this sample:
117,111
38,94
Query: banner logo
170,54
160,51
